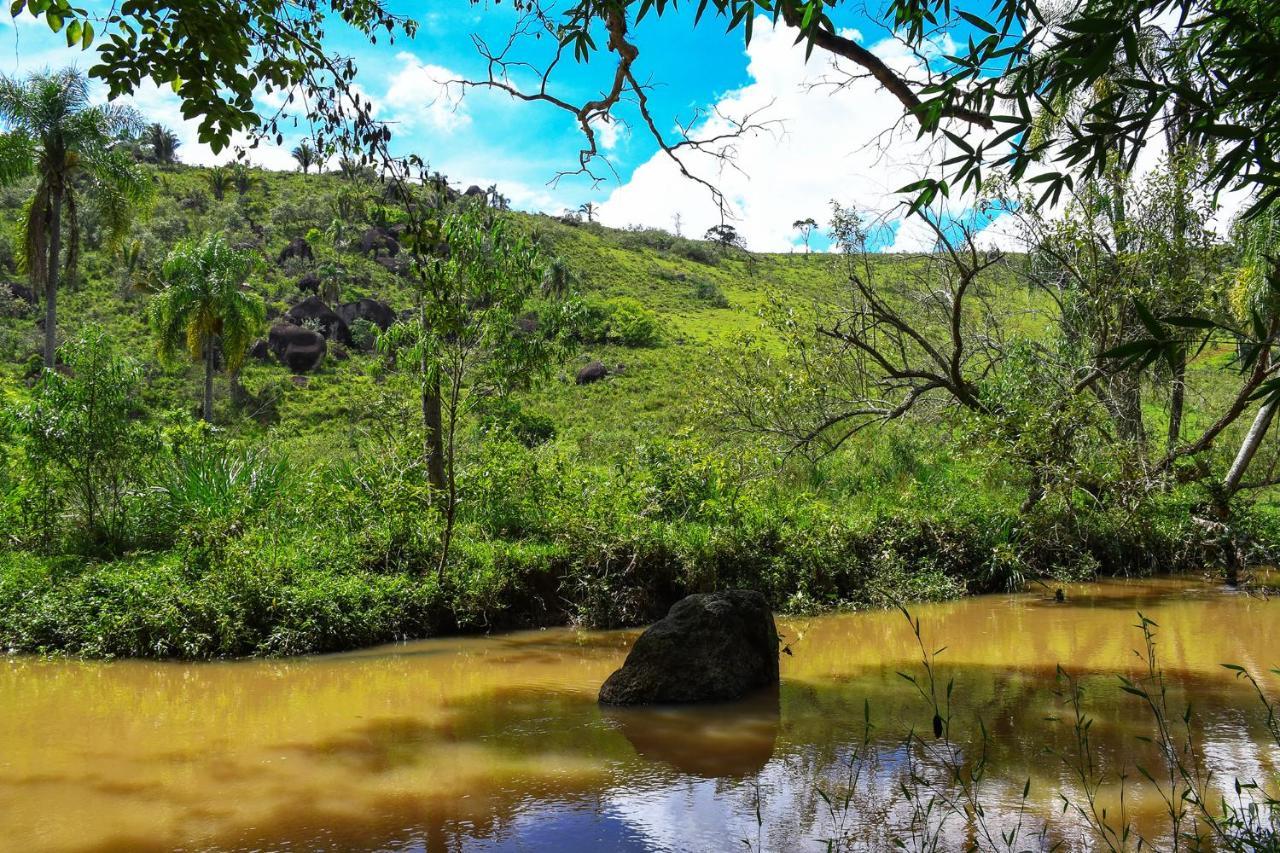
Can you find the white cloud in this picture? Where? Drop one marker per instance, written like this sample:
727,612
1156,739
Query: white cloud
608,133
419,97
847,143
160,104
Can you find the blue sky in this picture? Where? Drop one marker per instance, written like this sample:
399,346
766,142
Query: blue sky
823,146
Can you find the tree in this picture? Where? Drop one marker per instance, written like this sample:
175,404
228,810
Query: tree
203,303
219,178
70,145
243,178
306,155
354,168
805,227
725,236
1015,56
478,276
589,210
928,338
162,144
82,434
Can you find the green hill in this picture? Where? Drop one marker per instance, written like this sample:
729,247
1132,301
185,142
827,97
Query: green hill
301,520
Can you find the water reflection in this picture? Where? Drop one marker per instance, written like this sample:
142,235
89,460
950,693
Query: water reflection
729,740
498,743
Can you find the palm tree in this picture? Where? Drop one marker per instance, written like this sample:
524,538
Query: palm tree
306,155
70,145
203,300
219,180
589,210
243,177
163,143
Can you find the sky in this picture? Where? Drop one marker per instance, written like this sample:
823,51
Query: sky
821,144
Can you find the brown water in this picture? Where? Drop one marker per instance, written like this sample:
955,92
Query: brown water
496,743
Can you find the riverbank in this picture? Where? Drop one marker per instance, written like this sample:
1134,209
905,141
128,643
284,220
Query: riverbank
330,573
483,743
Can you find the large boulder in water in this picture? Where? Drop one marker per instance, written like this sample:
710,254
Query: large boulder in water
710,647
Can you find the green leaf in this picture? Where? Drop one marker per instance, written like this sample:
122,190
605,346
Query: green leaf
977,22
1132,349
54,20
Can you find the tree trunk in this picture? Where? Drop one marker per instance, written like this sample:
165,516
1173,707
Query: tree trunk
1231,484
51,277
1252,440
433,427
1177,398
207,409
1126,391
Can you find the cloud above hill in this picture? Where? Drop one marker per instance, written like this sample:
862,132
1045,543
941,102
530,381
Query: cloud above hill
845,142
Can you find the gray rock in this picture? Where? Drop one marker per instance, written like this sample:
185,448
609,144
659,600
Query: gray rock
711,647
593,372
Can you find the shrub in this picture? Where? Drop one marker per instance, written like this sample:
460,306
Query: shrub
709,292
205,494
624,321
82,444
364,334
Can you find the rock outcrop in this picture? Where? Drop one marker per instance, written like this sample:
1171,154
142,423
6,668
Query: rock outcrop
710,647
593,372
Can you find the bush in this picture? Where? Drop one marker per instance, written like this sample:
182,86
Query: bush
710,293
206,494
623,321
364,334
82,446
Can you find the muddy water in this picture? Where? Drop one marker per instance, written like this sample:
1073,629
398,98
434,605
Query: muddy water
496,743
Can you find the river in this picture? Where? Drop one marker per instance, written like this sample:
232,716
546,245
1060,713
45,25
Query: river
497,743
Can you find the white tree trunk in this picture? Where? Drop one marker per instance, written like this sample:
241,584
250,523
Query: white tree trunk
1252,440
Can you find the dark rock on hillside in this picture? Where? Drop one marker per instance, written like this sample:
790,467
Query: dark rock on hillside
710,647
20,292
474,191
298,248
298,349
376,240
375,311
309,283
260,350
313,308
395,266
593,372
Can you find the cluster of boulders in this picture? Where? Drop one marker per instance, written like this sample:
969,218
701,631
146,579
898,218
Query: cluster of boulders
310,330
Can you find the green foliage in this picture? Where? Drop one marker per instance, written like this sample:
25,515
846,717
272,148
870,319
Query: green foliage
364,335
622,320
202,302
709,292
306,520
82,446
207,493
70,145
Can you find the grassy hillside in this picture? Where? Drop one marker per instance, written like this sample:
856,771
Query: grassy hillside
630,497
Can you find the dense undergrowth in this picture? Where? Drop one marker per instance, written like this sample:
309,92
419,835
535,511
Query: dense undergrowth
302,520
